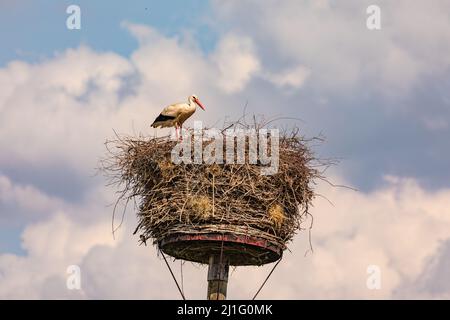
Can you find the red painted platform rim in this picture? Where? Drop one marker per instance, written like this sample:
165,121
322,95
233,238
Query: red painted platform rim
219,237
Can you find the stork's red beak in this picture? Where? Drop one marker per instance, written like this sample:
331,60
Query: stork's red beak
199,104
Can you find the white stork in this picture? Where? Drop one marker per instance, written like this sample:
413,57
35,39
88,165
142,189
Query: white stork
176,114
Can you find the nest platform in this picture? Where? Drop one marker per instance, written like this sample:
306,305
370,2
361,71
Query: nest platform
239,250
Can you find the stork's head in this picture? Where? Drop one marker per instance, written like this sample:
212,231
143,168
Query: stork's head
195,99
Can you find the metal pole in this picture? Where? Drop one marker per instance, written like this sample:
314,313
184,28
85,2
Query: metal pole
217,277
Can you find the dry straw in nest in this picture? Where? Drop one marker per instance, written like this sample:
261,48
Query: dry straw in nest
200,198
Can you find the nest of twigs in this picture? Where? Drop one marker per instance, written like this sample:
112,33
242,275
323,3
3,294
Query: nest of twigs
207,198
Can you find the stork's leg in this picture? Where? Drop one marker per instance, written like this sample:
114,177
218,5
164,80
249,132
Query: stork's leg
176,132
181,132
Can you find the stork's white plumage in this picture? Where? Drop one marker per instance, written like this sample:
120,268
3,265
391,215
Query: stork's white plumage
176,114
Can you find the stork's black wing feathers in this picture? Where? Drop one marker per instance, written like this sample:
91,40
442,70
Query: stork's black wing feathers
162,118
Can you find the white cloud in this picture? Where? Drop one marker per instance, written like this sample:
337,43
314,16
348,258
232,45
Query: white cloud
43,119
294,78
51,246
25,198
184,68
236,61
333,42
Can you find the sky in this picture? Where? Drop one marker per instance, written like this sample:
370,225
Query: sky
380,97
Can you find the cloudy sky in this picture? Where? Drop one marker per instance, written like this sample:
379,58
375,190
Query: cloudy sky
381,97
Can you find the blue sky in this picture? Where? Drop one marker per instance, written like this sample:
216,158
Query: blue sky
381,98
35,30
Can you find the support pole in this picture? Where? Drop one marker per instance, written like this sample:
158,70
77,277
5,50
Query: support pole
217,277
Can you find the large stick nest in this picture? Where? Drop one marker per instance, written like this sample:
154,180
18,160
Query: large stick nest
200,198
